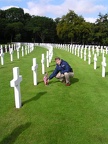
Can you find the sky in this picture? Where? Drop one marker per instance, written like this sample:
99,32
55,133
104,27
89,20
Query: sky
88,9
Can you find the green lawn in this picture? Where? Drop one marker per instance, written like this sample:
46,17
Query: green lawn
54,114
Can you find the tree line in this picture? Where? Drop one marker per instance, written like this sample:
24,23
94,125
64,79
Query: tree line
15,25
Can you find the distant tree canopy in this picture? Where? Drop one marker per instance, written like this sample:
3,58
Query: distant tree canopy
15,25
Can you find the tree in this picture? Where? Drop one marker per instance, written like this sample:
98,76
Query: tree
14,15
101,29
13,29
42,27
68,27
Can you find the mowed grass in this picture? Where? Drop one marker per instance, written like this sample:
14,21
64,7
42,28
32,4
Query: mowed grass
54,114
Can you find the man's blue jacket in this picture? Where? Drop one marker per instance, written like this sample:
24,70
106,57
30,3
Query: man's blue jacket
62,68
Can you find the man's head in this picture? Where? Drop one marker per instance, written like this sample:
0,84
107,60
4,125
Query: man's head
58,60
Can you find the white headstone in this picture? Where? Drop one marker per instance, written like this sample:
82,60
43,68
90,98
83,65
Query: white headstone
11,54
22,51
85,54
43,62
47,58
16,84
28,47
78,51
106,50
89,57
81,52
25,50
95,61
97,50
103,53
6,48
2,56
18,52
34,69
103,66
93,50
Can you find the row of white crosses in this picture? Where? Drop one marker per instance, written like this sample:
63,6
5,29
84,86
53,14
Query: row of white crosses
28,49
49,55
18,78
81,51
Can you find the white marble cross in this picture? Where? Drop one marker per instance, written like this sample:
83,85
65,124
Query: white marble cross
22,51
2,56
6,48
11,54
47,58
18,52
34,69
106,50
81,52
95,61
103,66
103,53
93,50
97,50
89,57
85,54
78,51
28,47
101,49
25,50
16,84
75,49
43,62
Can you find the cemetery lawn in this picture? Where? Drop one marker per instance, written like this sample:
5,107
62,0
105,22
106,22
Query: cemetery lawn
54,114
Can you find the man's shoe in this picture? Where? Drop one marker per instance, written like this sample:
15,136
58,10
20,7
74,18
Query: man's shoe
68,84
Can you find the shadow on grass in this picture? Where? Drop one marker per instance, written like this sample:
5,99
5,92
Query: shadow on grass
2,67
35,97
50,71
106,73
52,65
74,80
10,139
98,67
40,82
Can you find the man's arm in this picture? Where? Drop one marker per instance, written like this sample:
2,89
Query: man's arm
54,73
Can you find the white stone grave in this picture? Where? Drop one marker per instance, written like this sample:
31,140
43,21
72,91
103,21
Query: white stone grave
81,52
22,51
16,84
103,53
85,54
18,49
78,52
34,69
106,50
47,58
43,64
103,66
2,56
25,50
11,54
93,50
89,57
28,48
75,49
6,48
95,61
101,49
97,50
